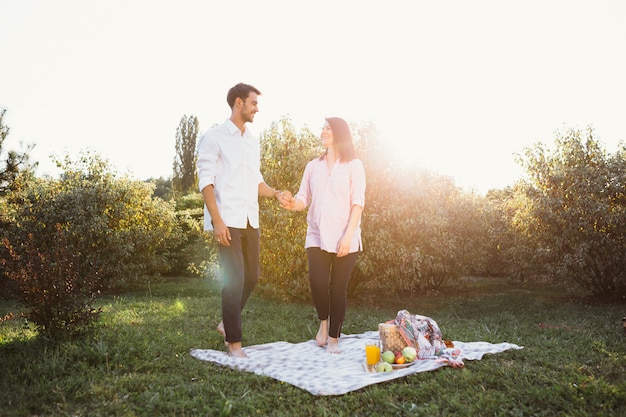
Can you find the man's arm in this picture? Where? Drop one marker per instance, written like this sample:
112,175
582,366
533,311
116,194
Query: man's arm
220,230
266,191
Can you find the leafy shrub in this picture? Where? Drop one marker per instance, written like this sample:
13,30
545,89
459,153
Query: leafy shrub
420,232
577,201
420,244
284,155
194,254
56,291
111,224
517,252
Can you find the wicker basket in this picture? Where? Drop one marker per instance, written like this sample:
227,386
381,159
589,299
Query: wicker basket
391,338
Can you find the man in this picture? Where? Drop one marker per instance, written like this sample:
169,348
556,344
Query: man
229,177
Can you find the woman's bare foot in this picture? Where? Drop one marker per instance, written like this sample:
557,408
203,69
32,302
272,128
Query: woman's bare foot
322,334
333,345
220,329
236,351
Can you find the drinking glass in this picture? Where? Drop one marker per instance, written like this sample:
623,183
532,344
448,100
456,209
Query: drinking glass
372,353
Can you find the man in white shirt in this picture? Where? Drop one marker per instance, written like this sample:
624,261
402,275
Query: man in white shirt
229,177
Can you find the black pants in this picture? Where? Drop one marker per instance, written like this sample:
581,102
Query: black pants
329,277
240,267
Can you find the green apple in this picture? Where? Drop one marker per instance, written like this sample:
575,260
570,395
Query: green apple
409,353
388,356
384,367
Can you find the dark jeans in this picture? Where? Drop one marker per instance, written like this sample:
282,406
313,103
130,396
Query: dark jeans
240,267
329,277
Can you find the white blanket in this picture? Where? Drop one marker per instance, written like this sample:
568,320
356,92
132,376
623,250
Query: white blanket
309,367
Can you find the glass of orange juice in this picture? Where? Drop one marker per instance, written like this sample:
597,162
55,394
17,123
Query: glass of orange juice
372,353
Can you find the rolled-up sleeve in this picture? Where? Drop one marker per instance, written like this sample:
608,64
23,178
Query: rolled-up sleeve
304,193
358,183
208,155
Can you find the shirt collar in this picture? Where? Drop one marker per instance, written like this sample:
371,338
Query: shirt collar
233,129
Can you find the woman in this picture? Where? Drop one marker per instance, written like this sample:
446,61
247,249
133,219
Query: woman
333,188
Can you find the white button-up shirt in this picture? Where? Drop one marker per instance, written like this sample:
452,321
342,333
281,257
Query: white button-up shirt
231,162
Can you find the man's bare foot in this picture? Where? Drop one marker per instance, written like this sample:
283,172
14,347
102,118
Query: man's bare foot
322,334
220,329
236,351
333,345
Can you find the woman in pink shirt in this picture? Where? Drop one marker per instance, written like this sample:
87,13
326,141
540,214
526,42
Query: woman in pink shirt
333,188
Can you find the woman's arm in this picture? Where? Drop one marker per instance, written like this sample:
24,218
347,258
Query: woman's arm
353,222
295,204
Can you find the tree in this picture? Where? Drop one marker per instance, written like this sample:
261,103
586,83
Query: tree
162,187
14,163
577,196
184,179
15,172
517,250
284,154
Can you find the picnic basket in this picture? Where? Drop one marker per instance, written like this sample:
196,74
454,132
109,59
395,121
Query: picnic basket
391,338
419,332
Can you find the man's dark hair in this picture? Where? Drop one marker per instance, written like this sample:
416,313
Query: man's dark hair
241,91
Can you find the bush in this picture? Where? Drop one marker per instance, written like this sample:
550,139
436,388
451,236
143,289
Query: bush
427,237
57,293
194,254
284,155
578,211
420,231
111,224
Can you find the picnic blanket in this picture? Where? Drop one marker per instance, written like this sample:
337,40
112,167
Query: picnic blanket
308,366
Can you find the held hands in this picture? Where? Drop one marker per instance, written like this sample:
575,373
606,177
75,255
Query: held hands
221,232
284,197
286,200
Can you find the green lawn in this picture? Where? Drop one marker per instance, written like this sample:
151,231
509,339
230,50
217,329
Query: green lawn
137,364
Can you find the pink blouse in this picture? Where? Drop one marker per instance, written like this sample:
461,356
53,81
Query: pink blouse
330,197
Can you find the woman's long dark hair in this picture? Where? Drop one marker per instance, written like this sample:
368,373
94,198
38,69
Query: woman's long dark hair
342,139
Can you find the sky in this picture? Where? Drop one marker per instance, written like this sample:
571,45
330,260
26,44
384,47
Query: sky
455,87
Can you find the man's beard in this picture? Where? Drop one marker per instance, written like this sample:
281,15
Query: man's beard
248,117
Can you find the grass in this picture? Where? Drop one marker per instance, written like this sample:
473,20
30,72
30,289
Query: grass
138,363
